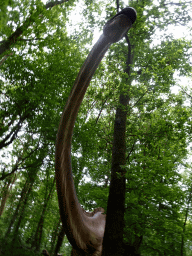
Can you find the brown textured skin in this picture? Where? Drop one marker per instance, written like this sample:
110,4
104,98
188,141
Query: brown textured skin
84,230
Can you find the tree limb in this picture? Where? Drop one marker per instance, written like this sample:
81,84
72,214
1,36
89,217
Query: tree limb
13,38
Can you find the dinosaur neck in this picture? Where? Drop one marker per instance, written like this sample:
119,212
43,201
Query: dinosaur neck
76,223
83,232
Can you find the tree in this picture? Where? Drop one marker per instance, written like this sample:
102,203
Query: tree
158,123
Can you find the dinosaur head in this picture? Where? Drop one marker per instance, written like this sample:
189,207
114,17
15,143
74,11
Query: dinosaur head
118,25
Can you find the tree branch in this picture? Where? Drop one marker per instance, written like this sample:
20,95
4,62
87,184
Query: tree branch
13,38
12,134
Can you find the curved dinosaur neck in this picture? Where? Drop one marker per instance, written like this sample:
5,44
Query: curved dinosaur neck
83,232
75,221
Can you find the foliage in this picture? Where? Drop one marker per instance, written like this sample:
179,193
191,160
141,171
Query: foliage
35,83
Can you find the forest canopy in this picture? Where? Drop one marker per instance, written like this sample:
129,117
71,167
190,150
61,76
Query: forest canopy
42,48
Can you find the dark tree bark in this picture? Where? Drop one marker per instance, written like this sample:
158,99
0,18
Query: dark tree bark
39,231
5,192
54,235
12,135
113,244
184,224
113,238
59,241
22,199
23,208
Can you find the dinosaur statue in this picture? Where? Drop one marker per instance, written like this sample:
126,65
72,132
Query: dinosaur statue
84,230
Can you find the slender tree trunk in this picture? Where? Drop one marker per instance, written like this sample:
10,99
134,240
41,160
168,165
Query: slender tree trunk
54,235
184,224
22,198
113,238
39,230
5,192
113,244
22,210
59,240
38,234
15,239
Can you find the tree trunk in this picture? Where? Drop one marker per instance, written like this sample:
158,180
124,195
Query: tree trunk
22,199
113,238
113,244
59,240
6,190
